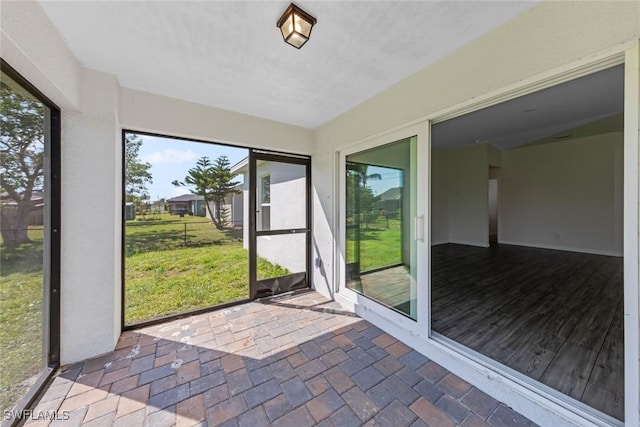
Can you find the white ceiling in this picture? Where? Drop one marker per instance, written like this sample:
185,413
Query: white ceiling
553,113
231,55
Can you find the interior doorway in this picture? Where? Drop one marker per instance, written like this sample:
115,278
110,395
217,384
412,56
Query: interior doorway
493,210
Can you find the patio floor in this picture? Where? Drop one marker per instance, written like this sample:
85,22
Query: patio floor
292,361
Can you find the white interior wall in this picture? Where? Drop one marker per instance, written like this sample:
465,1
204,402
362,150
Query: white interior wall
468,205
564,195
439,197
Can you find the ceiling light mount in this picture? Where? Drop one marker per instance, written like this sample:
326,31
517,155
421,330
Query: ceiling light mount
295,25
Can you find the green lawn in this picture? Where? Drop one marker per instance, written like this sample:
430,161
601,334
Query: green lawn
172,281
167,232
163,275
20,319
379,246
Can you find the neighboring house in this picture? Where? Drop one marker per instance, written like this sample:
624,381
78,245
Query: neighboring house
191,204
159,206
9,207
391,200
129,211
187,204
235,207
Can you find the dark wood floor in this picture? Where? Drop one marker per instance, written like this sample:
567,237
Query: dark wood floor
554,316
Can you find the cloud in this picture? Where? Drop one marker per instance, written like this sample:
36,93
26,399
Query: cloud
170,155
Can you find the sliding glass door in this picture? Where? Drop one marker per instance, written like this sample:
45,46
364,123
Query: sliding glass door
382,226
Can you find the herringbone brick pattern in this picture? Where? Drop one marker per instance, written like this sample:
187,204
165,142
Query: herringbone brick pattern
293,361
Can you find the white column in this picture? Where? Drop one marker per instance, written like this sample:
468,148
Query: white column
91,222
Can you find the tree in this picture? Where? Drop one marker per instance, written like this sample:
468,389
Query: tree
212,181
136,173
22,167
223,186
365,199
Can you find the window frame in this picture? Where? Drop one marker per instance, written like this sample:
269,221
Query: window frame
51,255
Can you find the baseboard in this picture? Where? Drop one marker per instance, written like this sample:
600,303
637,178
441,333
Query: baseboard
563,248
461,242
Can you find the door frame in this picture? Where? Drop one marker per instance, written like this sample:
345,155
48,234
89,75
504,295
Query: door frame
374,310
254,156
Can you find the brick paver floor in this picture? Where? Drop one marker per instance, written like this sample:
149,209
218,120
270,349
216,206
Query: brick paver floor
298,360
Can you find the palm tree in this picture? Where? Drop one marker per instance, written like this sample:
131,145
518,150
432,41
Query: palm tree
361,174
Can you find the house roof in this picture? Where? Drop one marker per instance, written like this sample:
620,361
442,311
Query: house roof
36,196
185,198
392,194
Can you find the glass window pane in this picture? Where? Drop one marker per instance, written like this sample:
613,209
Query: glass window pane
23,208
380,207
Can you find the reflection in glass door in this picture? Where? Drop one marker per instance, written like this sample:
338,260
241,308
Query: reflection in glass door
380,207
29,242
280,224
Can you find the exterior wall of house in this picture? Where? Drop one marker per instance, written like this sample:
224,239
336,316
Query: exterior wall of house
236,211
541,40
287,210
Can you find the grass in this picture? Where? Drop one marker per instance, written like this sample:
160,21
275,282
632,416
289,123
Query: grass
21,289
379,246
173,281
168,271
168,232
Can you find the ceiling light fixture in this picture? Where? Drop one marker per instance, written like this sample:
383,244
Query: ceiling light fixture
295,25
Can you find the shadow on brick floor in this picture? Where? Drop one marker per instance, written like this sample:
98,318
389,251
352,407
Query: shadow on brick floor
293,361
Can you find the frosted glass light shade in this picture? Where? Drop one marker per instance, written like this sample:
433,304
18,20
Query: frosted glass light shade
295,25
